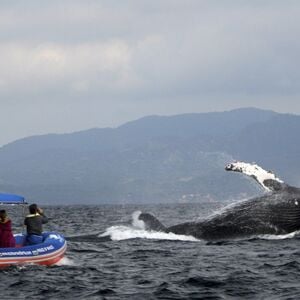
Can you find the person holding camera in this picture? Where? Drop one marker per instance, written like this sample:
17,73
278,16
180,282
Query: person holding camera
34,224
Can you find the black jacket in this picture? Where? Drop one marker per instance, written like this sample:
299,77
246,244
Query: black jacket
34,223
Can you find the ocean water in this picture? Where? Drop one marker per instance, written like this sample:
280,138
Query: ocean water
135,264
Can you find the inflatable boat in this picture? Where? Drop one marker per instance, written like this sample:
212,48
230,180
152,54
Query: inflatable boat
49,252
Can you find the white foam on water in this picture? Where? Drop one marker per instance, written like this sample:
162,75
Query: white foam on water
119,233
279,237
137,230
65,261
21,267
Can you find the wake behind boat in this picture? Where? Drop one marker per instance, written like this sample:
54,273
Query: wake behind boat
49,252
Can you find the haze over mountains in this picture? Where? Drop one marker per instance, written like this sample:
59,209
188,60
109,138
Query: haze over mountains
153,159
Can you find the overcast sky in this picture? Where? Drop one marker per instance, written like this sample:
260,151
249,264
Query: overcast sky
73,65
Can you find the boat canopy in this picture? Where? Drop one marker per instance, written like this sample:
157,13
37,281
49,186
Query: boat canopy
11,199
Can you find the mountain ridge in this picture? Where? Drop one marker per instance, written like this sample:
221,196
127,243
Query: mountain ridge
178,158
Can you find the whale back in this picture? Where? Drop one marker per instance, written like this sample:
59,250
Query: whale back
285,211
275,213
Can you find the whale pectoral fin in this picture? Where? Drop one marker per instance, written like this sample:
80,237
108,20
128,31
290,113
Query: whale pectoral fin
265,179
151,223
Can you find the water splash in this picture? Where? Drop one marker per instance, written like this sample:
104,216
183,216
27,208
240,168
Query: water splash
136,222
65,261
137,230
279,237
119,233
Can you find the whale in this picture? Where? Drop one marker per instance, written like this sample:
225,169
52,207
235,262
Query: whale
275,212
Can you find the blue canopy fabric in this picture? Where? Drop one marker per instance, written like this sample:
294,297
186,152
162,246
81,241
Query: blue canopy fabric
11,199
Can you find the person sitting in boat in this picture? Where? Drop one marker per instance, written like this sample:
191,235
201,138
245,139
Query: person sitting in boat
7,239
34,224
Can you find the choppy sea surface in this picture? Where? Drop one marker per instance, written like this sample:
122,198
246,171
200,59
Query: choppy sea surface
137,264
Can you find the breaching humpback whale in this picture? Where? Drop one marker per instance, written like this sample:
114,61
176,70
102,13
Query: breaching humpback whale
276,212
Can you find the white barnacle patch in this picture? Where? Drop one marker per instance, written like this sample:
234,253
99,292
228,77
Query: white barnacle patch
296,202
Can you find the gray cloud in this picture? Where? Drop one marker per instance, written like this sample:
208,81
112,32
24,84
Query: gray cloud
71,65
